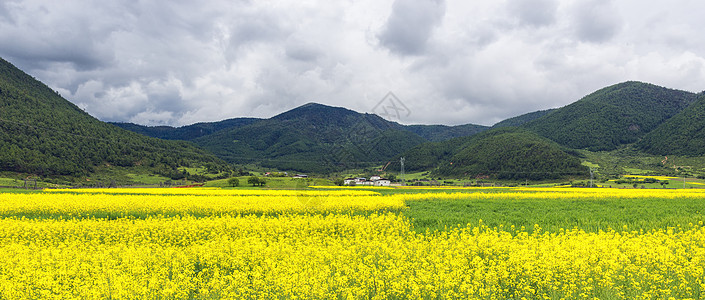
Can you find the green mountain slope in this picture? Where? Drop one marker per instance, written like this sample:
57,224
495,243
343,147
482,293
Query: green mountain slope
523,119
503,153
186,133
683,134
42,133
313,138
611,117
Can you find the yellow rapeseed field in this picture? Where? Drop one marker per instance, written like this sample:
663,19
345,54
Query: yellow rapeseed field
213,244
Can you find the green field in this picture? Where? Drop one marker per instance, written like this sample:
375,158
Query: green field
273,182
591,215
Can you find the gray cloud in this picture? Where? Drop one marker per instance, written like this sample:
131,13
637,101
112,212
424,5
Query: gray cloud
596,20
455,62
411,24
534,12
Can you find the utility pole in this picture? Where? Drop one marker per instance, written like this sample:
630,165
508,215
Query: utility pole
402,171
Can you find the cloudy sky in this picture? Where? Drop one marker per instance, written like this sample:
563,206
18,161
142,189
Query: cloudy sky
177,62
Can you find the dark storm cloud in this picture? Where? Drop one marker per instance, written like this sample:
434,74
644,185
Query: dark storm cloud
411,24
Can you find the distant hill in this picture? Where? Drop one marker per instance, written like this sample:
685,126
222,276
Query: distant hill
185,133
41,133
431,133
523,119
310,138
313,138
503,153
611,117
683,134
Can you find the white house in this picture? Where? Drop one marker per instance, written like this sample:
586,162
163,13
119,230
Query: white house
349,181
375,178
382,182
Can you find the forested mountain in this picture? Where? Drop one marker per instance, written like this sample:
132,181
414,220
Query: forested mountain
613,116
503,153
310,138
185,133
42,133
683,134
523,119
313,138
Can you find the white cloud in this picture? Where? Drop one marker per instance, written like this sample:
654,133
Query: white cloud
455,62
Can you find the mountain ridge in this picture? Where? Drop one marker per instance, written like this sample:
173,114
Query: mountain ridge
613,116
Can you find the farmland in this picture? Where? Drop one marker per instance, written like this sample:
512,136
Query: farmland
353,243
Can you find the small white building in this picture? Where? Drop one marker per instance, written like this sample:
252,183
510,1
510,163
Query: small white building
375,178
349,181
382,182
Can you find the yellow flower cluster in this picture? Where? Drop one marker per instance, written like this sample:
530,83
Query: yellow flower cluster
215,192
337,256
141,202
227,244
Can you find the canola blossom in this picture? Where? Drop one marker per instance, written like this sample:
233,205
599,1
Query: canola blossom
337,256
69,205
204,191
214,245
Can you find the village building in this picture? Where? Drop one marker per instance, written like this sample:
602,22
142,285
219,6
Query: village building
382,182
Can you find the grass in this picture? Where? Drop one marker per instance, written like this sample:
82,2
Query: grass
273,182
16,190
12,182
147,178
630,161
202,171
591,215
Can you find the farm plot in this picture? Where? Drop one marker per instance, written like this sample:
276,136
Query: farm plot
213,244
